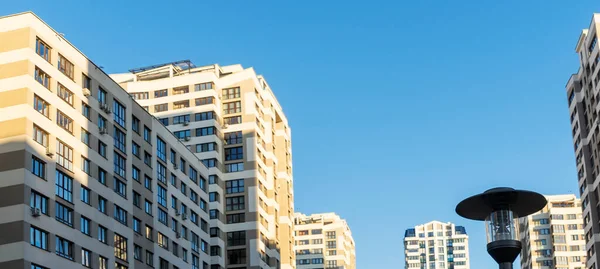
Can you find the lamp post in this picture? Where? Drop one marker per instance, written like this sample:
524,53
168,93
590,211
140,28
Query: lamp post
500,208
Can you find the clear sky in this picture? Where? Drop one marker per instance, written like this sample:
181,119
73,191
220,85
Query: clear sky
398,109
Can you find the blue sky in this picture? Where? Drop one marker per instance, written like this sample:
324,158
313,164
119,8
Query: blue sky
398,109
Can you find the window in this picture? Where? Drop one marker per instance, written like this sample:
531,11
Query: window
161,149
331,244
215,232
161,107
163,264
86,256
205,147
203,205
135,125
184,234
203,86
204,101
236,218
85,195
120,215
85,165
101,96
148,207
161,93
173,180
236,238
101,176
101,204
235,153
193,175
120,139
102,262
40,136
119,114
204,226
162,196
137,226
183,188
163,241
65,155
213,214
85,225
40,105
233,138
162,217
232,107
232,120
174,202
86,82
38,238
174,225
205,131
64,186
182,134
194,217
231,93
120,247
137,252
194,196
41,77
149,233
210,162
85,137
236,256
148,183
35,266
39,201
38,167
64,248
195,242
119,164
209,115
182,165
65,94
42,49
135,149
149,258
65,66
234,167
101,122
63,121
102,149
147,134
181,90
139,95
147,158
161,173
204,246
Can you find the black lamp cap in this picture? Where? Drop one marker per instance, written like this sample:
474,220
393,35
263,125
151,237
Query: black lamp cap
521,203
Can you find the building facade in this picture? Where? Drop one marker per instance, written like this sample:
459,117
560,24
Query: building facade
230,119
323,241
582,95
554,236
436,245
89,179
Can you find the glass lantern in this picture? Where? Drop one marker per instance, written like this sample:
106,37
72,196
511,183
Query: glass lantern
501,225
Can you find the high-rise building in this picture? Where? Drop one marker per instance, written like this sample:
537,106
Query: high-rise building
554,237
323,241
436,245
88,178
583,99
230,119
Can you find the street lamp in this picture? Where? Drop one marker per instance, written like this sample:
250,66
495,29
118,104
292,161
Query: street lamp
500,208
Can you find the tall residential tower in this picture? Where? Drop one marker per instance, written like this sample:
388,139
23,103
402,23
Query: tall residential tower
554,237
230,119
88,178
584,107
436,245
323,241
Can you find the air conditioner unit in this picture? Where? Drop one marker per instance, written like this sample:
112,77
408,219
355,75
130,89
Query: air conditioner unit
36,212
186,123
178,235
183,216
49,153
187,138
177,213
175,166
87,92
103,131
106,108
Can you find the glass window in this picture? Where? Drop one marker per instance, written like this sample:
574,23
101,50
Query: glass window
161,107
65,155
102,149
120,215
119,164
65,66
161,149
120,247
204,101
161,173
85,225
85,195
85,165
162,196
85,137
234,203
64,248
232,120
86,82
101,176
233,138
39,201
235,153
102,261
65,94
42,49
231,93
40,136
135,149
203,86
101,204
120,187
205,131
137,225
148,207
41,106
86,111
101,96
64,186
234,186
38,238
120,139
86,256
149,258
38,167
63,121
147,134
234,167
232,107
119,114
209,115
135,125
41,77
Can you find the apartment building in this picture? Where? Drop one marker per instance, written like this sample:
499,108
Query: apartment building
323,241
554,236
436,245
89,179
230,119
583,99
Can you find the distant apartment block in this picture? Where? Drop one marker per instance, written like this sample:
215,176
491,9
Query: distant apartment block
323,241
584,107
436,245
230,119
554,237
